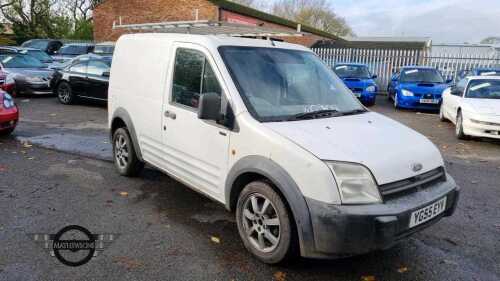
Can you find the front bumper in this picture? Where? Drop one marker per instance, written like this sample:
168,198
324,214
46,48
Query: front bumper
8,118
482,130
347,230
414,103
34,89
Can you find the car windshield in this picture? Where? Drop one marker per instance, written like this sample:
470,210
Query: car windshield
352,71
281,84
419,75
73,50
104,49
488,72
37,44
484,89
40,55
20,61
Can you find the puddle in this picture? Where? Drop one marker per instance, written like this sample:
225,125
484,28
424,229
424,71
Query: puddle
90,146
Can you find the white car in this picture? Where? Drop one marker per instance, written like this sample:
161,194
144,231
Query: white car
269,131
473,105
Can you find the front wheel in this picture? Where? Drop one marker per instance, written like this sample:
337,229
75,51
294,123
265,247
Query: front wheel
442,118
64,93
6,132
124,155
459,128
265,224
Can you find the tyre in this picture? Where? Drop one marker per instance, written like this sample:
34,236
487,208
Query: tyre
6,132
371,103
459,127
396,101
442,118
64,93
124,155
264,223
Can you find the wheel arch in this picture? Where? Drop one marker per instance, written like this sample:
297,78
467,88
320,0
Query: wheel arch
251,168
121,118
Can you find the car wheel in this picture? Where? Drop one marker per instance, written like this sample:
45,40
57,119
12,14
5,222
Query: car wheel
124,155
6,132
459,128
442,118
396,101
265,224
64,93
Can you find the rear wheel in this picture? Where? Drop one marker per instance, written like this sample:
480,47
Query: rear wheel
124,155
459,128
265,224
64,93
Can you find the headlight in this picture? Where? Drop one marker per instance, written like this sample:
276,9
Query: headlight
406,93
34,79
8,102
484,122
371,89
356,183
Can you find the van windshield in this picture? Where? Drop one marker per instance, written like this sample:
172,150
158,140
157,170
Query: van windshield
281,84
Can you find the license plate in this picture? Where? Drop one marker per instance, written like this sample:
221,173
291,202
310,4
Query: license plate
427,213
358,95
432,101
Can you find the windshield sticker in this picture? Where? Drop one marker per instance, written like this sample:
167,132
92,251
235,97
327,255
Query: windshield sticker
341,67
7,59
488,73
411,71
480,86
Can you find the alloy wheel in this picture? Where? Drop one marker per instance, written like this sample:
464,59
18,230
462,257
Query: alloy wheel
64,93
121,151
261,223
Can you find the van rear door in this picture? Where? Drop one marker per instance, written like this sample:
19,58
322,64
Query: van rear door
196,150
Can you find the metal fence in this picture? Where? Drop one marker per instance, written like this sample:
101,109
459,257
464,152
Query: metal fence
385,62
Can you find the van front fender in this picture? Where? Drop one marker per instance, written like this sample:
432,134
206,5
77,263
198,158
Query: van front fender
122,114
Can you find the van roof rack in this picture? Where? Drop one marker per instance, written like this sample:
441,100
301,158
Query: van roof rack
207,27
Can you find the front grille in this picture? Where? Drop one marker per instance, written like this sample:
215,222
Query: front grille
413,184
357,90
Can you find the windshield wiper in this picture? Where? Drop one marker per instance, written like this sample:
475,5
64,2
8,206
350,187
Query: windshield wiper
317,114
354,111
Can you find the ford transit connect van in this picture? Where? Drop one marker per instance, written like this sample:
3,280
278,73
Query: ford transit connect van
268,130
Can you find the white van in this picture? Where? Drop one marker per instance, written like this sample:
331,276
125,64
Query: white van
268,130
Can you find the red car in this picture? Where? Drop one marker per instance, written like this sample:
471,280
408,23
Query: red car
9,114
7,83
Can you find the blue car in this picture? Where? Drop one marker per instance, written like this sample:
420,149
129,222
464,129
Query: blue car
358,78
417,87
478,72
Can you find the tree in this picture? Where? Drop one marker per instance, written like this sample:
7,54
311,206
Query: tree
315,13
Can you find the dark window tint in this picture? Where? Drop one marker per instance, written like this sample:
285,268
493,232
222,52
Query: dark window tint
192,76
79,68
96,67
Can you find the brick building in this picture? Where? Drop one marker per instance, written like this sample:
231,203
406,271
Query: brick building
152,11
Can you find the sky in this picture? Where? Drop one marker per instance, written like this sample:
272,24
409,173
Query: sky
445,21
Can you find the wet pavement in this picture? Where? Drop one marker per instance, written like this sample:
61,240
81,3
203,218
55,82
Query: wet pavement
52,175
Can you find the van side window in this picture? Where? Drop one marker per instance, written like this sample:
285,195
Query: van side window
192,77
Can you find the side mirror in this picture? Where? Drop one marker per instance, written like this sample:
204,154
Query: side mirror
106,74
374,76
209,107
449,80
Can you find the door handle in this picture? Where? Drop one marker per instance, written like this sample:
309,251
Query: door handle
170,115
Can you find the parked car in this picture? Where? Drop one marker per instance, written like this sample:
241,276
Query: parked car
478,72
268,130
9,114
7,83
104,49
31,76
417,87
70,51
36,53
473,105
359,80
49,46
86,77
